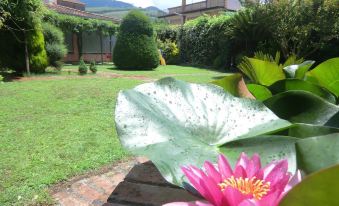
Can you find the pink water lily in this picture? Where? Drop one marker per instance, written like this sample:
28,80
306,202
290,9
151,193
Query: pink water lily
247,185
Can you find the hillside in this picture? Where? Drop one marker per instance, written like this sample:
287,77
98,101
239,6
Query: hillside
107,3
118,9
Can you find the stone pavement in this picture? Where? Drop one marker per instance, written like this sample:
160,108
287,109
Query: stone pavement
92,190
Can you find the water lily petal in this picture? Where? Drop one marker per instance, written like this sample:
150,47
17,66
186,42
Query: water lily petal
247,202
256,164
276,173
269,200
293,181
240,172
198,203
194,180
212,172
234,197
224,167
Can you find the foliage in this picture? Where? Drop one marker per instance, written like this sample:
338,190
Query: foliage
167,33
135,46
77,24
1,78
197,128
54,44
321,81
3,13
82,67
205,39
22,25
261,72
327,75
209,40
317,189
169,50
93,67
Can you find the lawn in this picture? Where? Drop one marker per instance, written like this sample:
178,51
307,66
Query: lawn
51,130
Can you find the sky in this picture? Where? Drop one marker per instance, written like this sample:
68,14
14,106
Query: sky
161,4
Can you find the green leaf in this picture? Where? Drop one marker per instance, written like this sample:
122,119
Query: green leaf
307,130
320,188
261,72
297,84
298,71
235,85
259,92
327,75
301,107
270,148
334,121
318,152
175,123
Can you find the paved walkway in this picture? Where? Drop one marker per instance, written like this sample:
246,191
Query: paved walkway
92,189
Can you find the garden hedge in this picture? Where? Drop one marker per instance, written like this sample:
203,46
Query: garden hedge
136,47
222,41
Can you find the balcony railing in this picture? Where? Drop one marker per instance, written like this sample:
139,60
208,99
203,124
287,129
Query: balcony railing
198,6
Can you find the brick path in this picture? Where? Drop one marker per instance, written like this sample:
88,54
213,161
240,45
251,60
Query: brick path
93,190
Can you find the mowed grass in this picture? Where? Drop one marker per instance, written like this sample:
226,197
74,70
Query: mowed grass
51,130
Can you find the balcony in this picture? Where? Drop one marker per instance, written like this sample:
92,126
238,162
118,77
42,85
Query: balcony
198,6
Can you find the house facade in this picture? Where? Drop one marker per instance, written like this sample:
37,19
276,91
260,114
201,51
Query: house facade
91,43
185,12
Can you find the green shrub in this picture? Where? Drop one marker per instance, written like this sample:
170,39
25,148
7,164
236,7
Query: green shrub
222,41
136,47
25,15
168,33
82,67
54,44
169,50
1,78
203,40
93,67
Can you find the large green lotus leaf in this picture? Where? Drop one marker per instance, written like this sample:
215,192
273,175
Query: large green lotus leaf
269,148
321,188
262,72
327,75
259,92
307,130
175,123
298,71
234,84
301,107
318,152
297,84
334,121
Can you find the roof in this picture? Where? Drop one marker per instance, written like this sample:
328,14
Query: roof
75,12
75,1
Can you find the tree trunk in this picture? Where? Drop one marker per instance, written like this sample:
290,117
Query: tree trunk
27,56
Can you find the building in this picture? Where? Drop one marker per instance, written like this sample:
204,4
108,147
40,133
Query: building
91,44
180,14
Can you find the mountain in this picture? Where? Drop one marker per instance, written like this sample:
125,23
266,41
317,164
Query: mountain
118,9
108,3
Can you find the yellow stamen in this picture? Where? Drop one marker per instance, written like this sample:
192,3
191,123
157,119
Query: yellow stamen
258,188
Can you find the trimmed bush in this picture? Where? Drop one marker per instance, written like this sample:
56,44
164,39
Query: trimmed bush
136,47
93,67
54,44
82,67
